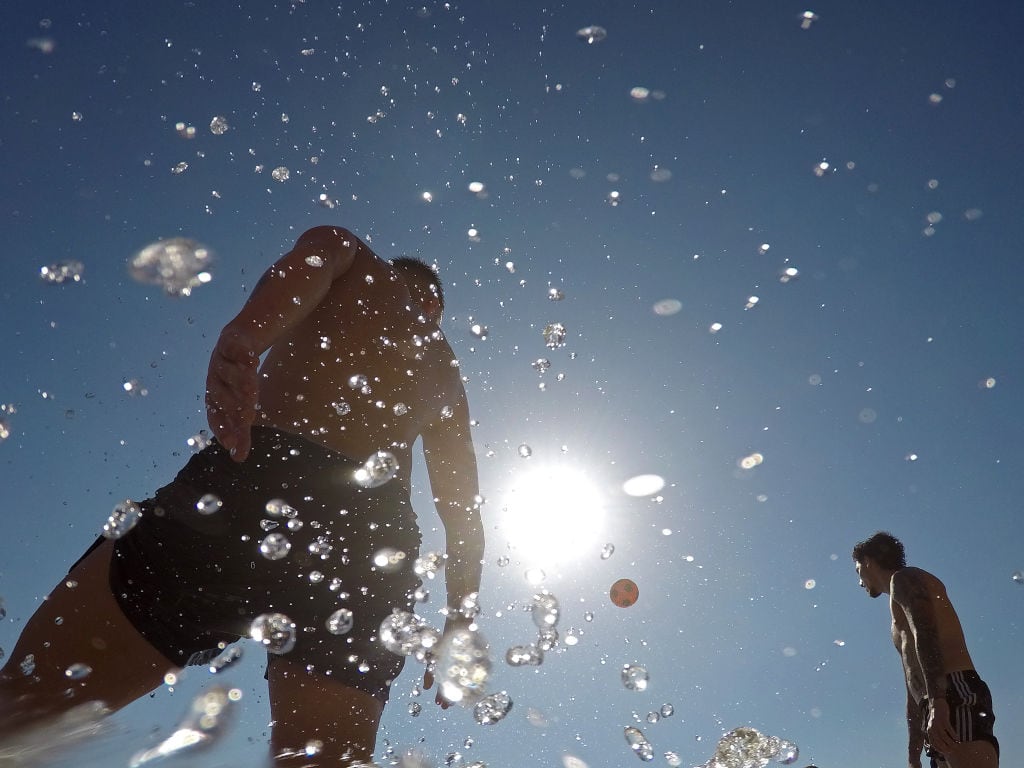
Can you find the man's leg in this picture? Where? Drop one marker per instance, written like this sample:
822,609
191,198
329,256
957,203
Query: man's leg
339,723
78,647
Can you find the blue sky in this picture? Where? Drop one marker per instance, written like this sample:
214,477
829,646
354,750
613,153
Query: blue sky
861,382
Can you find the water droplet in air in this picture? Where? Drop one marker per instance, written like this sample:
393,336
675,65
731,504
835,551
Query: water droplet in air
377,470
388,559
634,677
555,294
554,335
124,517
463,666
667,307
591,34
28,665
807,18
544,610
226,659
547,638
275,546
78,671
643,485
206,721
404,633
541,364
340,622
414,709
208,504
428,564
638,743
524,656
177,265
1018,577
788,752
281,174
525,451
667,710
275,631
62,272
607,551
219,125
493,708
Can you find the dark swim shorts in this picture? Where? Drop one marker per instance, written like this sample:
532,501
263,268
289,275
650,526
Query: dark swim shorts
192,582
970,711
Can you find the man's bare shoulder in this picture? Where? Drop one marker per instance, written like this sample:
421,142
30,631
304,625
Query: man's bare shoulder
910,585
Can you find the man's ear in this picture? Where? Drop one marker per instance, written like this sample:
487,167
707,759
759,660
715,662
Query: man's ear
431,307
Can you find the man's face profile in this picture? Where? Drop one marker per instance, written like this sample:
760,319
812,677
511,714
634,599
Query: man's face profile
864,571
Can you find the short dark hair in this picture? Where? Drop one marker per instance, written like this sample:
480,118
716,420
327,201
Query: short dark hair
884,548
417,268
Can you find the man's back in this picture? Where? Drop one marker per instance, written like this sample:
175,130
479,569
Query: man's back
919,598
365,371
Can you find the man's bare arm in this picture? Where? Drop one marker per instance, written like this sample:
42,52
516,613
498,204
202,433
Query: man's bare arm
915,594
915,731
286,294
451,465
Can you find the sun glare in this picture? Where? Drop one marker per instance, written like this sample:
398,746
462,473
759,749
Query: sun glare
552,514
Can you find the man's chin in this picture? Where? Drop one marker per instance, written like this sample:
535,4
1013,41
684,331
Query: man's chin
874,593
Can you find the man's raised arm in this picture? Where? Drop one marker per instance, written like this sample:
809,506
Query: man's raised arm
288,291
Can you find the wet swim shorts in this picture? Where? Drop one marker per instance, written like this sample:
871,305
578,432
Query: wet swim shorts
189,581
970,711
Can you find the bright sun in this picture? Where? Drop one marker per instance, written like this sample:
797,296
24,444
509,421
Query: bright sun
552,514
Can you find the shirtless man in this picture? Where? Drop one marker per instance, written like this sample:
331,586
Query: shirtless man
949,707
355,365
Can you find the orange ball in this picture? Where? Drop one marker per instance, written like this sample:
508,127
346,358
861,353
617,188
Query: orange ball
624,593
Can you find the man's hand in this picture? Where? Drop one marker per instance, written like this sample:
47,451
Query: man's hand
450,625
231,393
428,683
941,735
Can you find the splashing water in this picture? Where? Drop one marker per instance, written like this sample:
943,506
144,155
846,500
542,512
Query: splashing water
207,720
406,634
747,747
124,517
491,709
177,265
275,631
638,743
377,470
463,666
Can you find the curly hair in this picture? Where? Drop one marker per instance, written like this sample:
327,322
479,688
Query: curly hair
421,270
884,548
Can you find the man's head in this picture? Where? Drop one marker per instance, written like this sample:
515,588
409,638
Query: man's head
876,559
424,285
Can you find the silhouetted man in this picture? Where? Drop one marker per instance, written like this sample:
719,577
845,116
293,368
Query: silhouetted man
949,707
274,518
